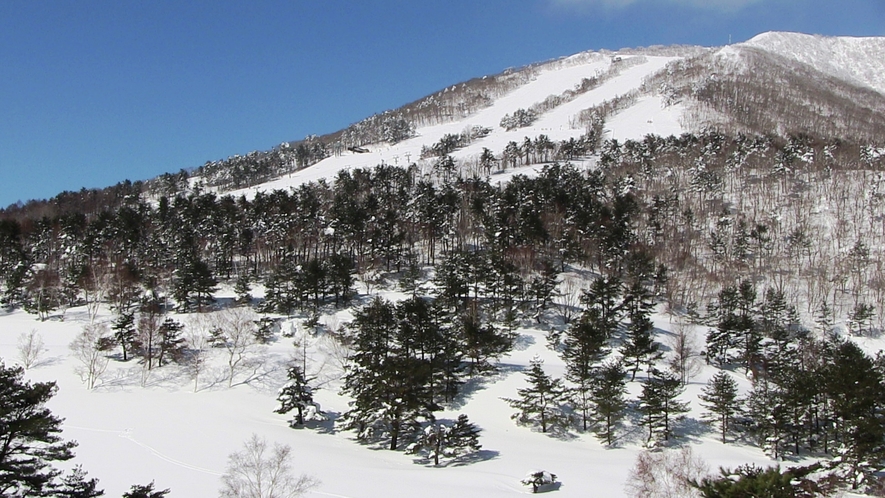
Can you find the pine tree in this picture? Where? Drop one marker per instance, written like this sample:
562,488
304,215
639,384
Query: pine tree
583,347
481,342
450,441
747,326
824,320
720,396
542,288
194,284
296,395
388,385
659,406
540,403
720,338
767,410
605,296
609,403
145,491
171,343
855,388
242,290
124,332
75,485
29,432
640,348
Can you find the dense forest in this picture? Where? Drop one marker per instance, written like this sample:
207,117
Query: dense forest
768,241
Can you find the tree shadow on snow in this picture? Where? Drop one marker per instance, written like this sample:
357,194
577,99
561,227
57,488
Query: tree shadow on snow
523,342
461,461
479,382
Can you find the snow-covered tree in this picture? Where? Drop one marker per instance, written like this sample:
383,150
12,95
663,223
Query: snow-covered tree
297,395
387,382
447,440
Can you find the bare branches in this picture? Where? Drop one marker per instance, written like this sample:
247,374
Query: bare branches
90,348
233,329
258,471
30,349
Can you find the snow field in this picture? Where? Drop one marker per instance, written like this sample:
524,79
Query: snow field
166,432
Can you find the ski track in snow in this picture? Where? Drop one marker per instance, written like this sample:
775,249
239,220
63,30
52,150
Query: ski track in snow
127,434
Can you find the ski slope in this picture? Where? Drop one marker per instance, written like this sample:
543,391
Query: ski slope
632,123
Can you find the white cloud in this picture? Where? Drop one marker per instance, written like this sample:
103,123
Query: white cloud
723,5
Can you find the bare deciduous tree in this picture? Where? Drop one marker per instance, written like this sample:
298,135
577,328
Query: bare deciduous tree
147,333
569,297
234,330
30,349
666,474
258,471
197,336
95,285
90,348
685,360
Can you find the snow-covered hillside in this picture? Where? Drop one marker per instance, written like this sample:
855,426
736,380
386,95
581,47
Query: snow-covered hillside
135,429
648,115
860,60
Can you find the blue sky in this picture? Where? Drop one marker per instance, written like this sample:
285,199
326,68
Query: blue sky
95,92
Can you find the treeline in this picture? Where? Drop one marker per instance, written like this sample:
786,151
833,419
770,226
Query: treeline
793,214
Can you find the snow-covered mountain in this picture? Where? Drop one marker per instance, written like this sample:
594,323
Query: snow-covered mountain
858,60
784,83
176,425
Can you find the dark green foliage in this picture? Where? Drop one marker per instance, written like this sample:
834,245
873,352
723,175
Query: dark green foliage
481,342
447,440
242,289
194,285
640,347
768,412
145,491
30,435
659,406
607,394
584,346
604,296
297,395
387,381
541,402
720,396
75,485
750,481
124,332
170,342
860,318
736,335
857,392
542,288
264,330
